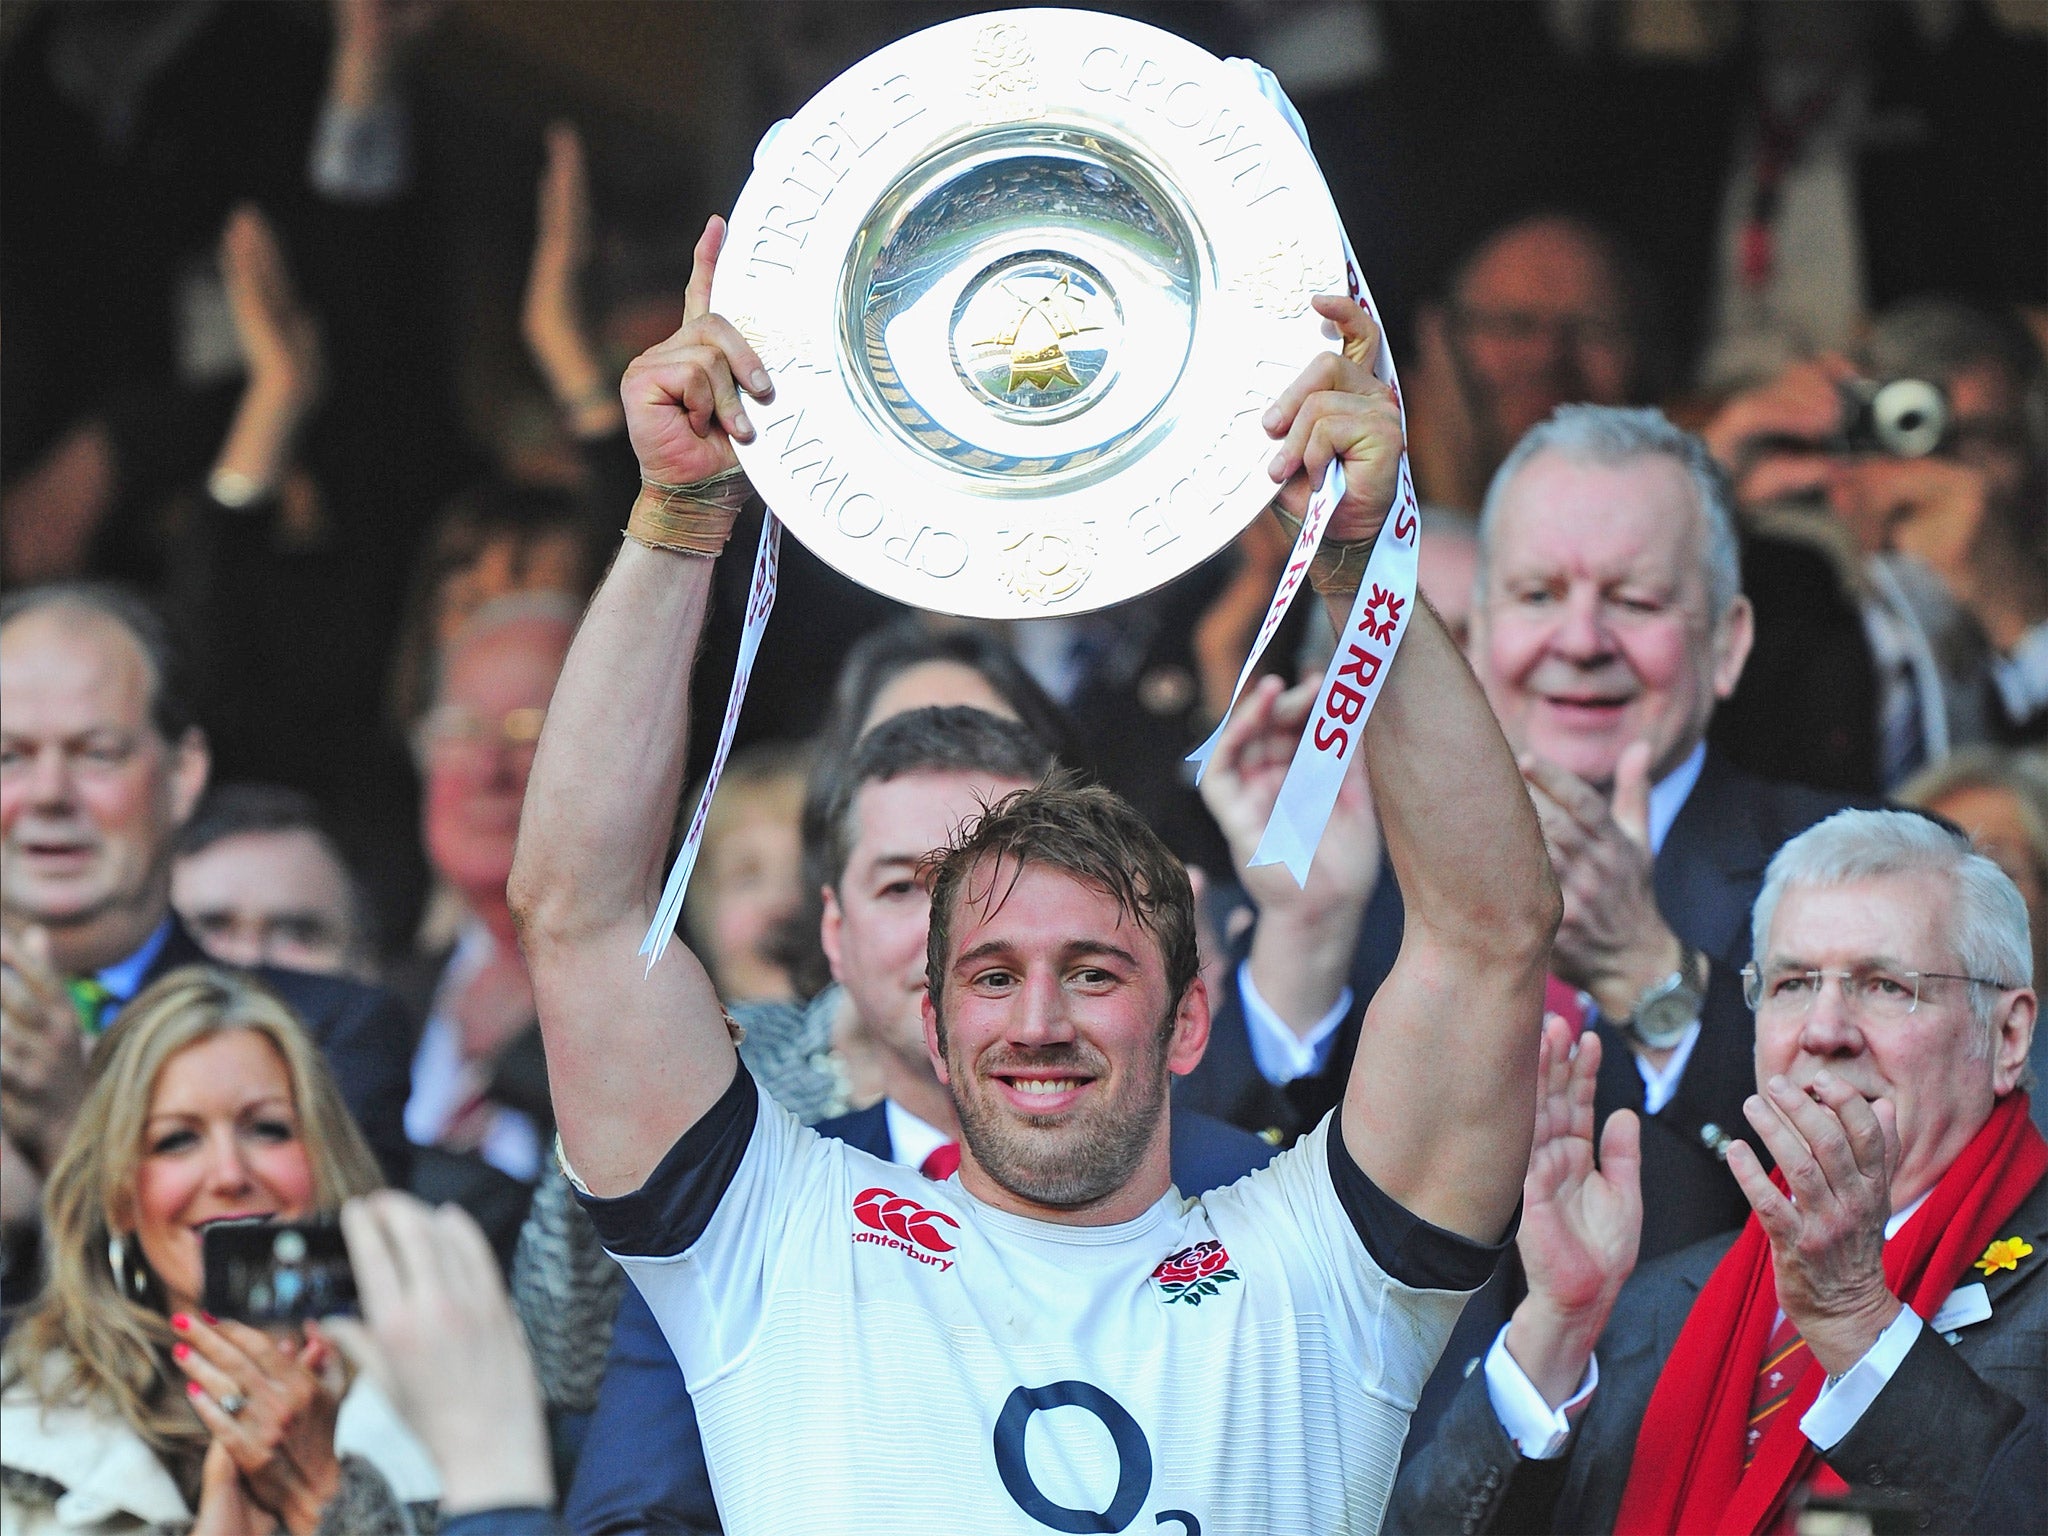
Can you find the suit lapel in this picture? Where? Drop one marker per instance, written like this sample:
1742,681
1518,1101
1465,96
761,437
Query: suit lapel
2030,1222
1711,861
180,948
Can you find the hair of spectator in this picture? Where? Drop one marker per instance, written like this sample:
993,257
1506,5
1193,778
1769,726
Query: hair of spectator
2023,775
943,738
1081,830
172,710
522,517
1987,920
111,1343
1937,338
881,656
1611,435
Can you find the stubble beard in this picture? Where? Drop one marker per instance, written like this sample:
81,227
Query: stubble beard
1062,1161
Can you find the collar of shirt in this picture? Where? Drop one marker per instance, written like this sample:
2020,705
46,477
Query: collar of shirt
911,1140
1900,1218
123,979
1669,794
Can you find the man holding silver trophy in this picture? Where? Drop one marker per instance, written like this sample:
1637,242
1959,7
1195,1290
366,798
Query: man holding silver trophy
1052,1338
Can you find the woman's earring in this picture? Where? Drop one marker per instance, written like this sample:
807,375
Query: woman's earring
127,1281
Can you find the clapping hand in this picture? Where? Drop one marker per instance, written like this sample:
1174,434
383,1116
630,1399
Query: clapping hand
43,1074
1612,941
1581,1222
1838,1152
1243,781
285,1395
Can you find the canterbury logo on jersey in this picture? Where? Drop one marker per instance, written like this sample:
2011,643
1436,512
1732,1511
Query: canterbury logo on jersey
895,1221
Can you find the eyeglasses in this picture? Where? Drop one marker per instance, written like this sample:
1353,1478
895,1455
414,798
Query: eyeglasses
457,730
1868,991
1524,328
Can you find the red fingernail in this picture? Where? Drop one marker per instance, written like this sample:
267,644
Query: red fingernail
211,1320
180,1351
180,1321
192,1389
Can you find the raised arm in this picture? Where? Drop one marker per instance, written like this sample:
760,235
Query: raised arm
1439,1108
633,1060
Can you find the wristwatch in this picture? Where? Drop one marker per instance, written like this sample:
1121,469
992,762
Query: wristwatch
1669,1007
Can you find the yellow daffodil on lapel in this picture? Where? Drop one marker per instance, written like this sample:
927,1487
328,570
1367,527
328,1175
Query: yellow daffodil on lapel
2006,1253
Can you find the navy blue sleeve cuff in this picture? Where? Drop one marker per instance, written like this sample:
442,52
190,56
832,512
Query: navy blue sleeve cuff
517,1520
1421,1256
668,1213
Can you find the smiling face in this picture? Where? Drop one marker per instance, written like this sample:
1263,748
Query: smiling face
1933,1064
1059,1036
90,794
1593,629
876,918
222,1139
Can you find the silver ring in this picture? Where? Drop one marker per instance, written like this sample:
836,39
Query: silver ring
233,1404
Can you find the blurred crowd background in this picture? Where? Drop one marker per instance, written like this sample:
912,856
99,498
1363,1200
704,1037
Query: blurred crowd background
314,315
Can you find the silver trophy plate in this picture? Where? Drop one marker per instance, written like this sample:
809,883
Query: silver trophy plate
1026,283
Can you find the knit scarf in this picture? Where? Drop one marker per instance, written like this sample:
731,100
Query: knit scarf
1687,1474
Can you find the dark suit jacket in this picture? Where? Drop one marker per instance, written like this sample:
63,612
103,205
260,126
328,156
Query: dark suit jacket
1978,1392
519,1080
643,1463
362,1031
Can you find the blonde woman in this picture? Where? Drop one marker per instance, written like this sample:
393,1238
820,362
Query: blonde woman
125,1407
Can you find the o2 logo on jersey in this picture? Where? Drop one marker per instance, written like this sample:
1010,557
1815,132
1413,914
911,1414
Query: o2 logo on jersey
895,1221
1133,1462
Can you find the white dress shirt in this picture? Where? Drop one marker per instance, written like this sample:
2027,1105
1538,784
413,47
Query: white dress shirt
1541,1432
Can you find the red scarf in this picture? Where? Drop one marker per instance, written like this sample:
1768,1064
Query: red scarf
1687,1474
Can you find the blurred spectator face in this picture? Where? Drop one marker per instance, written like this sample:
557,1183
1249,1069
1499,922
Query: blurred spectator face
221,1141
477,745
876,918
1538,321
1989,432
749,880
1932,1064
1593,630
1448,563
936,683
90,794
271,898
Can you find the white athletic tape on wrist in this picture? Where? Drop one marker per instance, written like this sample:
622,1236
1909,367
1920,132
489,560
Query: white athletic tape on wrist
760,603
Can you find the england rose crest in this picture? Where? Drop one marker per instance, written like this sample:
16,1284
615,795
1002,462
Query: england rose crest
1194,1273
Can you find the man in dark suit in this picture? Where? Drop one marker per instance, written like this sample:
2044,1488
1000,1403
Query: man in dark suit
1893,1277
103,761
906,787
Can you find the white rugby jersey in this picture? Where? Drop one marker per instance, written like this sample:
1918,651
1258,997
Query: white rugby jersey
875,1354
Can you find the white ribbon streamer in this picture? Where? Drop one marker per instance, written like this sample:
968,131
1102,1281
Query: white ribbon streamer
1379,614
760,603
1313,522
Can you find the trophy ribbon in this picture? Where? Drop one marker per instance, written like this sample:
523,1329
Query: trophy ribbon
760,603
1378,618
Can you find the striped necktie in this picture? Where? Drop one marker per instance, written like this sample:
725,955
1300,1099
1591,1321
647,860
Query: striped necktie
1785,1360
